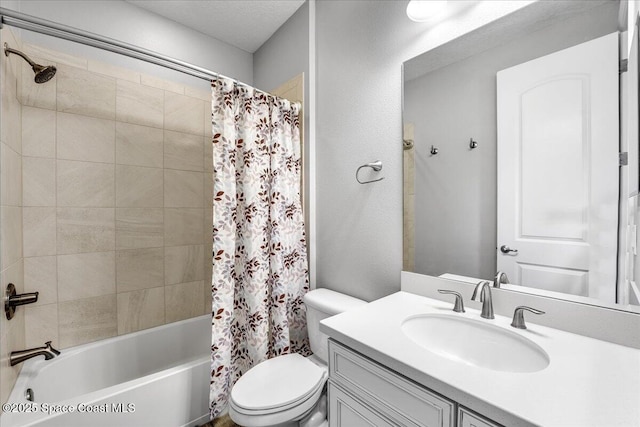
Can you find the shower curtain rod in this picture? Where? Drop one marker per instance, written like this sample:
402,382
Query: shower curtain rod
50,28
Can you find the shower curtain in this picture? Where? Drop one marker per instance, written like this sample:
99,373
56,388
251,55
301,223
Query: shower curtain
260,270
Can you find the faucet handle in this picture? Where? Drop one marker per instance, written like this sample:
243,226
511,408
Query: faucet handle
518,316
458,307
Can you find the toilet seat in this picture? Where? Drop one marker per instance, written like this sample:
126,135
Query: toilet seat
277,385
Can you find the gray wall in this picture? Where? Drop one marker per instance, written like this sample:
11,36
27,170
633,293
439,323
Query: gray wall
455,202
360,49
282,57
130,24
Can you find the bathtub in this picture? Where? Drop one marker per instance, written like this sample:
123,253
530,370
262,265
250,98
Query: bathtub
158,377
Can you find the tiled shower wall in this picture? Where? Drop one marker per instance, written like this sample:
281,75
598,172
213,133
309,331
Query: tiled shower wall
12,333
116,176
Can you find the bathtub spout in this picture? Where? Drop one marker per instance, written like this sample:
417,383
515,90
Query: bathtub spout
20,356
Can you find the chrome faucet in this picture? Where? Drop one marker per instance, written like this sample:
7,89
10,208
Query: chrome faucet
501,278
20,356
482,292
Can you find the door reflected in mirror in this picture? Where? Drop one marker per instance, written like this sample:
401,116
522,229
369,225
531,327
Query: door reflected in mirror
524,116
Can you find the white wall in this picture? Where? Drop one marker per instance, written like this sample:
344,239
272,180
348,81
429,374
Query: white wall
282,57
360,49
127,23
285,54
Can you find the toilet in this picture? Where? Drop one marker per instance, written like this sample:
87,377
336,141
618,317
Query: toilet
289,390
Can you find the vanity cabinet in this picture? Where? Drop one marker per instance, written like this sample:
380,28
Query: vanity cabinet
364,393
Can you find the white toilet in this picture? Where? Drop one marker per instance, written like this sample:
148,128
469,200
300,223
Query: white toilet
289,390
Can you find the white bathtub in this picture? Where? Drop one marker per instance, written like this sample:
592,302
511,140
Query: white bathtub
157,377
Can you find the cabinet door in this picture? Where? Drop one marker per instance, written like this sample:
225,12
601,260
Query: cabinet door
344,411
467,418
403,401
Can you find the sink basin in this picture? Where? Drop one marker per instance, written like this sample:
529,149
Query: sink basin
475,343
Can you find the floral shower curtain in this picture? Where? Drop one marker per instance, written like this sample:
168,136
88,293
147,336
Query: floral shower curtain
259,251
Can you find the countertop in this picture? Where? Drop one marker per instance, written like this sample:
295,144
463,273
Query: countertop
588,382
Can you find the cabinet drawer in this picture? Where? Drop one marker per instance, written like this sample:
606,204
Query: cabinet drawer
345,411
405,402
467,418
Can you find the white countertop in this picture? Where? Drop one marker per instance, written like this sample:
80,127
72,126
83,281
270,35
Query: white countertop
587,383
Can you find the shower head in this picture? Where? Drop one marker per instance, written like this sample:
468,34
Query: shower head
43,73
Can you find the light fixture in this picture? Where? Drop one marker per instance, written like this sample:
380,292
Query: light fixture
425,10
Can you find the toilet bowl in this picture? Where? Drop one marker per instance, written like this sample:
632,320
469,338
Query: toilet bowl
289,390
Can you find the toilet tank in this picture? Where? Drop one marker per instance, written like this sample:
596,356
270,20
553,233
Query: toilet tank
320,304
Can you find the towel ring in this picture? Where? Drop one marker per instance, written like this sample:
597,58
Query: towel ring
376,166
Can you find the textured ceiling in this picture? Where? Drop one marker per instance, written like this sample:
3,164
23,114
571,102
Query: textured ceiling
246,24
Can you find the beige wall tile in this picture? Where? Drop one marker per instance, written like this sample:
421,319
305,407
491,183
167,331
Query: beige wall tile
11,111
139,104
39,231
8,375
183,151
85,184
183,226
139,269
10,176
183,113
50,55
159,83
13,338
85,138
11,232
87,320
208,127
85,230
183,301
138,187
208,297
83,92
39,180
203,93
183,189
33,94
183,264
139,310
38,132
13,273
139,228
208,154
113,71
86,275
139,145
41,275
41,325
208,194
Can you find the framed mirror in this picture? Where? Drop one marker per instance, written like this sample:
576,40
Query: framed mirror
512,141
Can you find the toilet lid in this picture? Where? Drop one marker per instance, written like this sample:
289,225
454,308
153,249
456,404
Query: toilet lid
278,382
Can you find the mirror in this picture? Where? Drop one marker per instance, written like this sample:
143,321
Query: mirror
511,154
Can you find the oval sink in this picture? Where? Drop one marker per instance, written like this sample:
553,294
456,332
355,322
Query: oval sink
475,343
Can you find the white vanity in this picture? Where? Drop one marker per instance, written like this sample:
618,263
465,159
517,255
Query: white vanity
381,375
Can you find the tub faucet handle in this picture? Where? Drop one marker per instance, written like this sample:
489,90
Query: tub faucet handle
13,299
458,306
